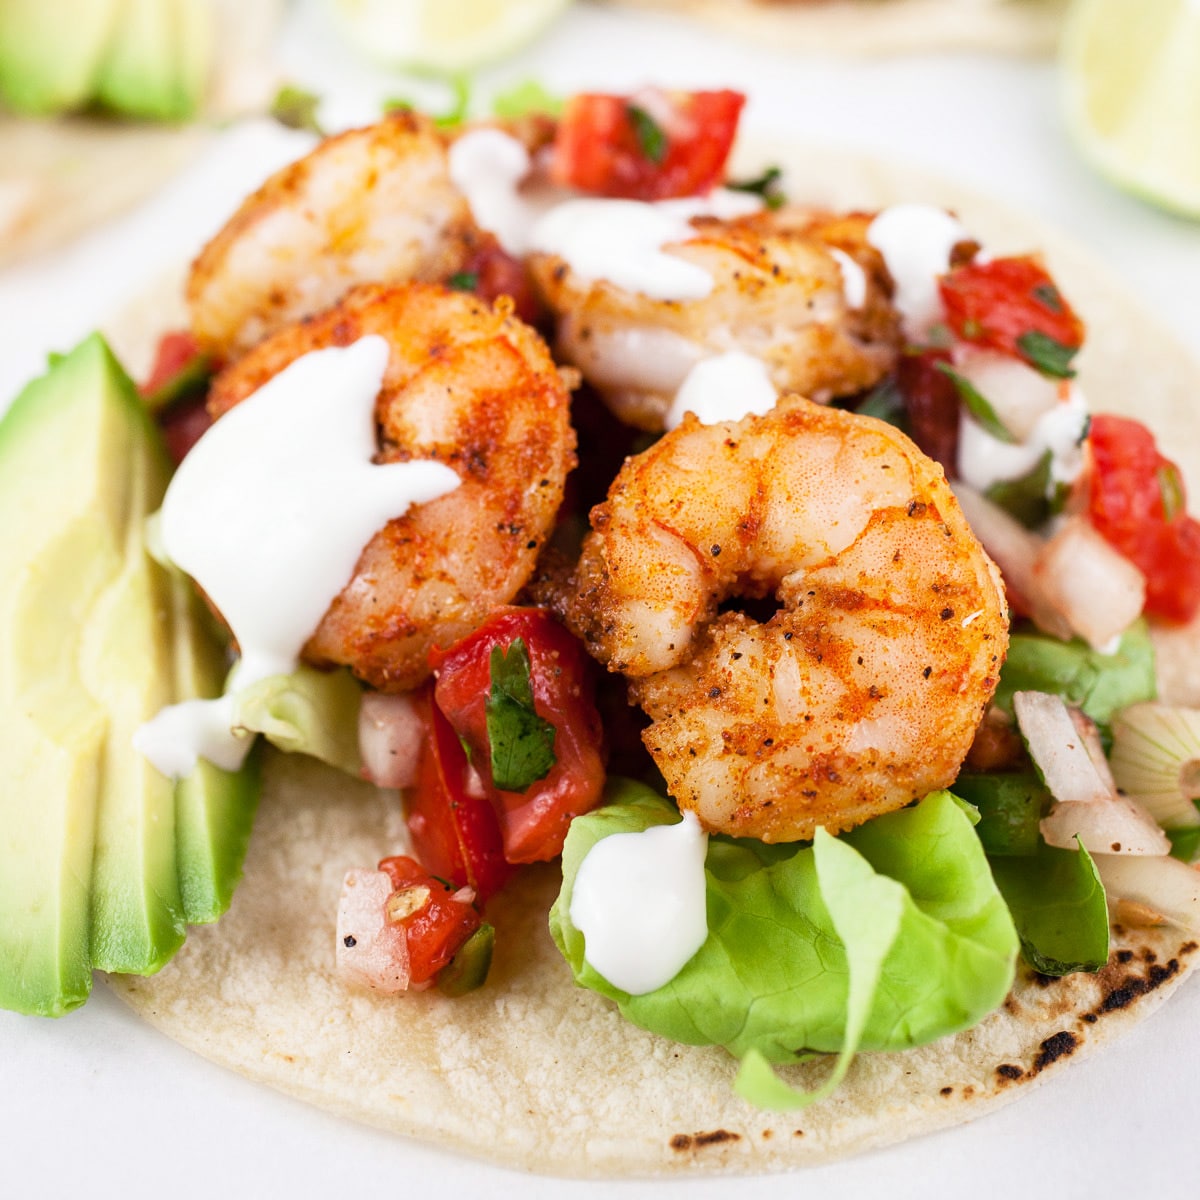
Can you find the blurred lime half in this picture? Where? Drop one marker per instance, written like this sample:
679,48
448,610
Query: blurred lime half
443,35
1131,90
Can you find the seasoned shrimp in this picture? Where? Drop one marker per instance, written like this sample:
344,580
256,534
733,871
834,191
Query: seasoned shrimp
472,387
864,689
374,205
802,291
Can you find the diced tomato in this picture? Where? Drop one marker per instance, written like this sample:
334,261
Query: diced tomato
1000,303
931,402
175,352
490,271
454,830
1136,501
533,823
183,425
650,146
175,392
435,922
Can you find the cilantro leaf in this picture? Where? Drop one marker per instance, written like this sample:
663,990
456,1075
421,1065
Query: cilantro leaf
1047,295
976,403
1170,487
768,185
463,281
522,743
297,109
651,136
460,101
1047,354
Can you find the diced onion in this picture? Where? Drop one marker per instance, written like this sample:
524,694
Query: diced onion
1163,884
1156,760
1074,583
1066,750
390,732
1097,591
371,951
1018,394
1060,752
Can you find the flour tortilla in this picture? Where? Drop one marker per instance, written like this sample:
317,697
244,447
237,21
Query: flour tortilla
538,1074
879,27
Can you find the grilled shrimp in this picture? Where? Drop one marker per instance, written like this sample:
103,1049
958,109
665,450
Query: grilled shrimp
802,291
467,385
864,689
374,205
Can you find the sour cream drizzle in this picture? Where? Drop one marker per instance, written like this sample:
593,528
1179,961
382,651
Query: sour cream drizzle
916,241
621,241
639,901
269,513
727,387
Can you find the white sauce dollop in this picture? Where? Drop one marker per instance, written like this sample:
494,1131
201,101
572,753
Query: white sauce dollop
269,513
916,241
984,460
620,241
639,901
854,278
727,387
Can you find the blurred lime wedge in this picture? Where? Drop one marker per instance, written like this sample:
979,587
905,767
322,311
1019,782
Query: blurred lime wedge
443,35
1131,90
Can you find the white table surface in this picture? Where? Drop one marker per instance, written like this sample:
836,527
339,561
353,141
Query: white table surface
99,1104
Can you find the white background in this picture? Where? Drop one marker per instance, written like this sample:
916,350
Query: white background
100,1104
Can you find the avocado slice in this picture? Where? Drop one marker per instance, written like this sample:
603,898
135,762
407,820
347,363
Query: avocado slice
51,52
64,499
137,919
214,809
102,859
157,65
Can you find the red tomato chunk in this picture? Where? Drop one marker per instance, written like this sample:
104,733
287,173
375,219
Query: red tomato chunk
1137,502
1001,302
652,146
533,823
454,830
435,923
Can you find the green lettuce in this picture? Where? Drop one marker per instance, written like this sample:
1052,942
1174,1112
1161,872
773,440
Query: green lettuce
307,712
1100,684
887,937
1058,903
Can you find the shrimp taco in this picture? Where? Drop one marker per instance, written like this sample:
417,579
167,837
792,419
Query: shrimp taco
855,865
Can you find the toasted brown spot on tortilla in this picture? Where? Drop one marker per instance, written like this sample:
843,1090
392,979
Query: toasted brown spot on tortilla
1008,1071
1090,1018
1124,956
711,1137
797,1133
767,1133
1189,948
946,1091
1133,987
1060,1045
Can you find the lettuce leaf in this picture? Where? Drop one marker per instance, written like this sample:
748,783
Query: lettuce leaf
887,937
1100,684
307,712
1058,903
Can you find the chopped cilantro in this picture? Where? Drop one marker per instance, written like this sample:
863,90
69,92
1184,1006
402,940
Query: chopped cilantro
464,281
297,109
768,185
1046,294
1049,355
522,743
527,97
1170,487
650,134
885,402
1032,498
976,403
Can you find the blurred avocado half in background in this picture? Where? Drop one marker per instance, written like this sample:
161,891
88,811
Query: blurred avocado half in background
140,58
